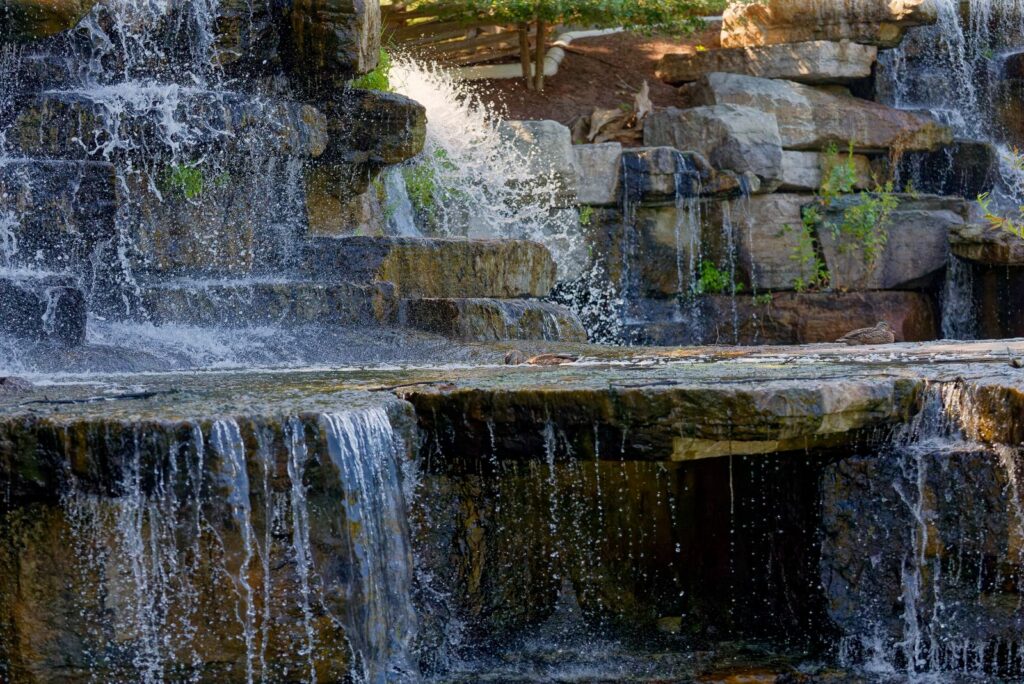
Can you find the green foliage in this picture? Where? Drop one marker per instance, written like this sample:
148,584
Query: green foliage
424,185
862,225
1010,224
586,215
713,280
807,253
764,299
379,78
670,15
189,181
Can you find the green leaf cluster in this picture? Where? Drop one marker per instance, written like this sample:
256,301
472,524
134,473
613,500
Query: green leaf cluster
378,79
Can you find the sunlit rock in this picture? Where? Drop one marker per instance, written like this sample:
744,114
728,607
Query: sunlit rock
874,22
740,139
816,62
811,118
27,20
988,245
805,171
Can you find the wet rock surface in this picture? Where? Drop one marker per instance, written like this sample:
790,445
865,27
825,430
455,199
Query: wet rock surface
48,308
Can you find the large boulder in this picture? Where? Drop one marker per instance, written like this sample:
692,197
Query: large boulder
327,42
737,138
26,20
790,318
770,237
600,173
815,62
987,245
547,151
915,250
493,320
812,119
874,22
805,171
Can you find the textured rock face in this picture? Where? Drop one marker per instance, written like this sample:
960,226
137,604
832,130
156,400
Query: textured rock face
493,320
986,245
771,228
817,62
812,119
740,139
26,20
45,308
427,267
942,519
916,248
327,42
600,173
967,168
804,171
792,318
57,213
874,22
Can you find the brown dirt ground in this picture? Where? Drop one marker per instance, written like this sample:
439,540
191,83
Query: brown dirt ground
603,72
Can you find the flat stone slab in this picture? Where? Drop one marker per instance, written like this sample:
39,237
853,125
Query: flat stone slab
678,404
813,62
987,245
493,320
437,267
253,302
811,119
109,122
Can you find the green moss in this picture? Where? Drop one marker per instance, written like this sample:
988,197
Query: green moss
379,78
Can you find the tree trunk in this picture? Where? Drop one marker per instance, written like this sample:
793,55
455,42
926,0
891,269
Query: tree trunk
524,53
538,77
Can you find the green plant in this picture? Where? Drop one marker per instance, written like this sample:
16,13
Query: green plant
586,215
379,78
862,225
814,274
713,280
763,299
189,181
1009,224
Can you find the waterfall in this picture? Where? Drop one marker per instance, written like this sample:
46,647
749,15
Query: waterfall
959,311
381,622
953,70
939,527
469,180
185,567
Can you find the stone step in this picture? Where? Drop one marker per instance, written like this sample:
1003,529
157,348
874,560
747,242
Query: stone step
42,307
55,214
129,118
493,320
437,267
254,302
784,318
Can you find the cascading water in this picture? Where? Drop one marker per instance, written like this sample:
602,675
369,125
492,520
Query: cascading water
958,70
472,179
199,562
941,539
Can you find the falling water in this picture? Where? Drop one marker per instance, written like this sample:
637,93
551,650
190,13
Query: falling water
382,623
479,184
959,502
953,69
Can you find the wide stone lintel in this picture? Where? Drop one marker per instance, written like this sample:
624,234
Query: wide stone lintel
814,62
